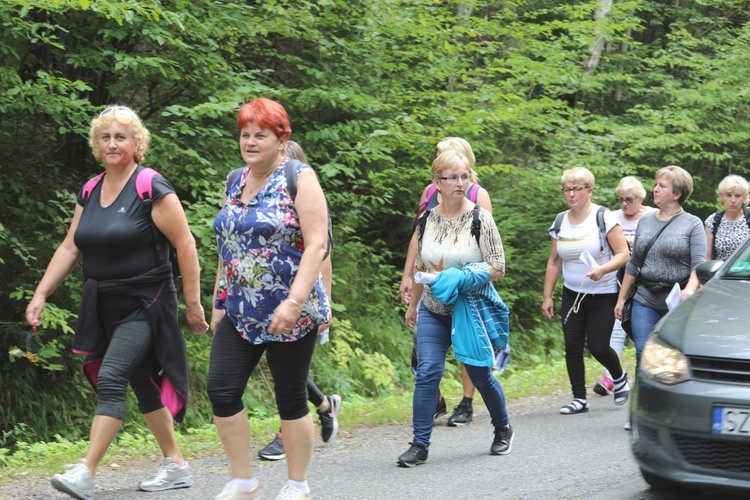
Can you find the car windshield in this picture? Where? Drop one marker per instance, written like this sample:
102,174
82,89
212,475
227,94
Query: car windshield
739,267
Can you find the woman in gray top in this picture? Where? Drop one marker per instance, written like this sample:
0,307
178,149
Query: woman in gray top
672,258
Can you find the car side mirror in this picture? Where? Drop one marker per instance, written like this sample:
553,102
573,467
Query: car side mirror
707,270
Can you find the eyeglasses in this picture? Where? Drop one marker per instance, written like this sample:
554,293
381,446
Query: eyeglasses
121,109
453,179
627,200
575,190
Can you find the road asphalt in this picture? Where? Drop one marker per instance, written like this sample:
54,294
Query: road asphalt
585,456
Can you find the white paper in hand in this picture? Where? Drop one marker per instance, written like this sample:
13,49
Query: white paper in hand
424,278
587,259
674,297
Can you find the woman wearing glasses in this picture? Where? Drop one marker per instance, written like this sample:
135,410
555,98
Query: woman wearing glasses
127,326
431,197
589,264
630,194
447,242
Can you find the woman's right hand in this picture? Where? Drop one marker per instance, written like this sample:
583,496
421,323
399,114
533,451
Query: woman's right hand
196,318
548,307
405,289
411,317
619,308
34,310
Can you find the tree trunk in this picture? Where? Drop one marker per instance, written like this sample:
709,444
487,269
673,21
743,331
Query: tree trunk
589,65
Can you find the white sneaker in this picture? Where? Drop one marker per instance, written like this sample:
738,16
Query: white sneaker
167,477
76,481
289,492
232,491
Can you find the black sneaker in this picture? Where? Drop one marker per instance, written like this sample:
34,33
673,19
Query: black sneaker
503,441
274,450
329,421
441,408
415,455
461,415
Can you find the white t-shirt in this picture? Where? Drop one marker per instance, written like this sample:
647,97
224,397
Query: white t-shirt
571,243
629,226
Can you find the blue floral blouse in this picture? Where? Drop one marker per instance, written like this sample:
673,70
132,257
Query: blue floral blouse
260,246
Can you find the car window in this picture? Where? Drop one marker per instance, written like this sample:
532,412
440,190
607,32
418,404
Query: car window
739,267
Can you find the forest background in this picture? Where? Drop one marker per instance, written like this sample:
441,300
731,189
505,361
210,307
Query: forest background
621,87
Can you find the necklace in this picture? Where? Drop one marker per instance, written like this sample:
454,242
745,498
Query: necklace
257,182
662,213
108,195
254,185
114,182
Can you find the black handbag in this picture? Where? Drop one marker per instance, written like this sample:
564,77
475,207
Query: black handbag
627,307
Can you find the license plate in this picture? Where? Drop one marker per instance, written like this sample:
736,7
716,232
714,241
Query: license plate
734,421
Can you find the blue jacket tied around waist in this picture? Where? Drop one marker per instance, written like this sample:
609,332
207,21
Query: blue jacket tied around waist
480,324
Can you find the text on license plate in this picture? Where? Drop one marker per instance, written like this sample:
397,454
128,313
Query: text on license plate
728,420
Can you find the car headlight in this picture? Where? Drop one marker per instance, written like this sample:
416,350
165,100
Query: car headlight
665,364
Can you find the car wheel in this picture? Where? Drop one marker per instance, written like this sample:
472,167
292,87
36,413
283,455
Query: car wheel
657,482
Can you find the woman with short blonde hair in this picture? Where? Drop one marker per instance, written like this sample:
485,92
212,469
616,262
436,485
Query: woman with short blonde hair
431,198
123,246
590,286
728,228
673,254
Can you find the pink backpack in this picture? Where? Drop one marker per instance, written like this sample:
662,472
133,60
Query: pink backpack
145,191
142,185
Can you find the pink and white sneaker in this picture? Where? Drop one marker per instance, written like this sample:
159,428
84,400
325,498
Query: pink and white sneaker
604,386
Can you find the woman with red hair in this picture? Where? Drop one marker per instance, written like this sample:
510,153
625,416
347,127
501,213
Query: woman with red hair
269,295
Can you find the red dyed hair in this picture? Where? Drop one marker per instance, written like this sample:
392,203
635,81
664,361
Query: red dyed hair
267,114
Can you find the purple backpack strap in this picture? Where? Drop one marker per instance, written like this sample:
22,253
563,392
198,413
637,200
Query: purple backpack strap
91,184
143,183
431,190
474,192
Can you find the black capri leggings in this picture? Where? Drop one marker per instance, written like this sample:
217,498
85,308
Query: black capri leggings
233,360
130,358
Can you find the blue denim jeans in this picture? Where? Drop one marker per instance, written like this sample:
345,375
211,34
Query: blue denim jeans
644,320
433,338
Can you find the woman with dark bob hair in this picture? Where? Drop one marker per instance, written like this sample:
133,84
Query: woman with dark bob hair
127,326
269,296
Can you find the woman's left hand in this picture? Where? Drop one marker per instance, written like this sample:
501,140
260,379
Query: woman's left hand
684,294
285,316
595,273
325,326
410,317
